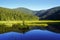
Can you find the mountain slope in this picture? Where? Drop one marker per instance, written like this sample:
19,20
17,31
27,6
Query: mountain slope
51,14
16,14
25,10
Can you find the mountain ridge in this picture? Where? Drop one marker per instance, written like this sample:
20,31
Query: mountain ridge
50,14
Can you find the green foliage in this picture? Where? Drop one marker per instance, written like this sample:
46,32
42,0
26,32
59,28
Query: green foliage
16,14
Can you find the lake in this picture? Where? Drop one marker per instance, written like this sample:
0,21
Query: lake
35,34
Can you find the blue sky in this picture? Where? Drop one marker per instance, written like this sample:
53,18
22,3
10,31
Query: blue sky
30,4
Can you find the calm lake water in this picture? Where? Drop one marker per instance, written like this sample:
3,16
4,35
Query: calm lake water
31,35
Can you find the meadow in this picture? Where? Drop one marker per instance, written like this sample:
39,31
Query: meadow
38,23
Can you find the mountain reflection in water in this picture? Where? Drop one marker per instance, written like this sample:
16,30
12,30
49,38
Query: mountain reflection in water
31,35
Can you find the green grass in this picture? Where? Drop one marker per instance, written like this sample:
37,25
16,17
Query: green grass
30,23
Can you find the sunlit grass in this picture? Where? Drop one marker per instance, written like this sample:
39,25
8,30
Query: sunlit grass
44,25
30,23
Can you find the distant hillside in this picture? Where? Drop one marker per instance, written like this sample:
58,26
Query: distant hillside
16,14
40,13
25,10
50,14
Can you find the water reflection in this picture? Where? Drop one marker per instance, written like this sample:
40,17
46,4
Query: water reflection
41,35
23,28
31,35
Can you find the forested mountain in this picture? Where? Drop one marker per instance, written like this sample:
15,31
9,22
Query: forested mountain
26,14
16,14
50,14
40,13
25,10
